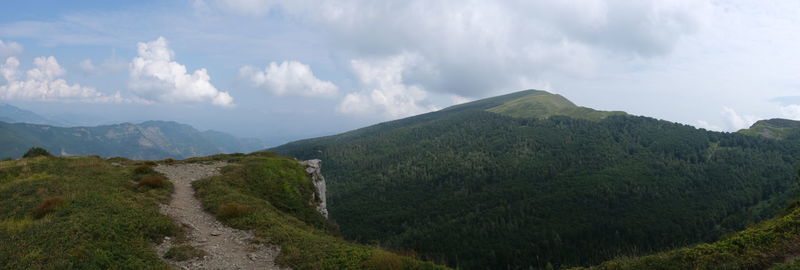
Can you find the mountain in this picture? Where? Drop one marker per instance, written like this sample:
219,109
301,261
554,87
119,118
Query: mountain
776,128
529,179
148,140
541,104
771,244
11,114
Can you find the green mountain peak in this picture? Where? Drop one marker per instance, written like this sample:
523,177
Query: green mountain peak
543,104
776,128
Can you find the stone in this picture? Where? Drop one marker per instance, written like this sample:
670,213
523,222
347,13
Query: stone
318,199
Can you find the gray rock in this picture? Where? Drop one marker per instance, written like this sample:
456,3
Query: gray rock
318,199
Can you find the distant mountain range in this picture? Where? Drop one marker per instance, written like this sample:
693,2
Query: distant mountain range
12,114
531,180
21,129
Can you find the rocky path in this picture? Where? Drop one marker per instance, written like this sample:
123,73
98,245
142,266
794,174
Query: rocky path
226,248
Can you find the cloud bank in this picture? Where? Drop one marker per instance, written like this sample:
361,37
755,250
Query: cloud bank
385,94
9,48
155,76
288,78
43,82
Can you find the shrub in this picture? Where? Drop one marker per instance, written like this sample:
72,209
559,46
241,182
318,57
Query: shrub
264,154
383,260
144,169
47,206
182,253
169,160
233,210
153,181
36,152
150,163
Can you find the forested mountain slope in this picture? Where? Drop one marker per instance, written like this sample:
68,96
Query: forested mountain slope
147,140
515,182
772,244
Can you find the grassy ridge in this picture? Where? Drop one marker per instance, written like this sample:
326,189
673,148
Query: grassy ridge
78,213
763,246
270,195
543,105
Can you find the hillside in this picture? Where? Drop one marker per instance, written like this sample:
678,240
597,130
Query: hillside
541,104
774,129
772,244
94,213
147,140
530,179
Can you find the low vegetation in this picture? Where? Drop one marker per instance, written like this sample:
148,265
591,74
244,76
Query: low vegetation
270,195
153,181
772,244
47,206
78,213
183,253
36,152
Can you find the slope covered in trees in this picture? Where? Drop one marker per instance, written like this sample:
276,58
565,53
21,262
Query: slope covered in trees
478,189
771,244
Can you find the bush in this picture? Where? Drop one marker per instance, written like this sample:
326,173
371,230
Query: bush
383,260
144,169
47,206
169,161
153,181
150,163
36,152
182,253
264,154
233,210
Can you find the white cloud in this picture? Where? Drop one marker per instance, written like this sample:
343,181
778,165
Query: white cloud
385,95
87,66
9,48
289,78
456,99
112,64
791,111
473,48
246,7
43,82
736,121
707,126
154,76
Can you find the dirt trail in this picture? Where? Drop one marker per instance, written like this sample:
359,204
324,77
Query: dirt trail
226,248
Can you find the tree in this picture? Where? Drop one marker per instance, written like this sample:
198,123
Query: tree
36,152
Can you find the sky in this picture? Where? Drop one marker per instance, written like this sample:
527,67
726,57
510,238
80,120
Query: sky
287,70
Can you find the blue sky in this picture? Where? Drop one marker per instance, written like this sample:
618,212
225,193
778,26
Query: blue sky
284,70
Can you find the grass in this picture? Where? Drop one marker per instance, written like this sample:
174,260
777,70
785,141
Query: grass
543,105
47,206
143,169
270,195
766,245
78,213
182,253
153,181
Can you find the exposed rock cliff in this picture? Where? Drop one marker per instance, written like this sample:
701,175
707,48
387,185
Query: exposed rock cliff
314,169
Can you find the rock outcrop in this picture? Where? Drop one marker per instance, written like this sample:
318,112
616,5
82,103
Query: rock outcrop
314,169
